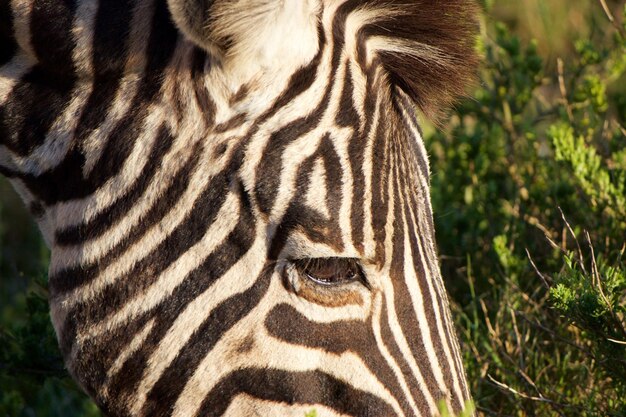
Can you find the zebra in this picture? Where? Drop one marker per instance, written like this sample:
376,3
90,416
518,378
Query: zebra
236,198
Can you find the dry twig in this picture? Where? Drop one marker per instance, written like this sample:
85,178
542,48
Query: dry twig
580,252
563,89
543,278
555,405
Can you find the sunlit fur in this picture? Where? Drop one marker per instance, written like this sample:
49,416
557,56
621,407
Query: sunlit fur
180,155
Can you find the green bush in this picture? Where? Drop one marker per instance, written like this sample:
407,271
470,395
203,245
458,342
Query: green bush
540,304
33,381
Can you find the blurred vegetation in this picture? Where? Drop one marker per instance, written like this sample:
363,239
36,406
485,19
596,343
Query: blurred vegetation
33,381
529,190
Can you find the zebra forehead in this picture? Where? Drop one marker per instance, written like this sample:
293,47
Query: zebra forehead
426,46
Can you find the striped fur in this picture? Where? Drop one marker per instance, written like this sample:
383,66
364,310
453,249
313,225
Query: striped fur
179,158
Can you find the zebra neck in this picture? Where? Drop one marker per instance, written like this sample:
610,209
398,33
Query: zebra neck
104,95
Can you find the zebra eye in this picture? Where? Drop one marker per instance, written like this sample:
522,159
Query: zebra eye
330,282
330,271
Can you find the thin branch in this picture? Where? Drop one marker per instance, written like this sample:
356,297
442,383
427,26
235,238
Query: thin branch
580,252
543,278
568,107
554,244
609,15
518,339
597,281
542,399
607,11
557,337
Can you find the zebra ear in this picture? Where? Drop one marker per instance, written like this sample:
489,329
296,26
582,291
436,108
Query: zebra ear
192,19
428,48
246,31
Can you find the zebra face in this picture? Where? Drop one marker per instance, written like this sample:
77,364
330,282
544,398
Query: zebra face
236,198
356,302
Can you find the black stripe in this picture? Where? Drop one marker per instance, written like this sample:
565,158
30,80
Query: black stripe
301,80
31,108
448,336
200,65
293,388
95,357
403,106
102,222
125,382
66,181
347,115
109,58
147,271
166,391
185,235
269,168
51,36
381,167
297,388
267,186
387,336
421,265
68,279
404,304
300,216
334,179
356,151
112,28
286,323
4,139
8,45
40,97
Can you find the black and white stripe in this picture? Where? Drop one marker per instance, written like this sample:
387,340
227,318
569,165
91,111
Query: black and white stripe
195,165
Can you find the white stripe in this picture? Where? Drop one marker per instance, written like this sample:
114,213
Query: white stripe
59,138
61,134
134,70
417,50
144,246
95,143
380,342
368,230
20,64
112,190
196,313
432,279
301,106
317,193
11,73
21,25
126,353
244,405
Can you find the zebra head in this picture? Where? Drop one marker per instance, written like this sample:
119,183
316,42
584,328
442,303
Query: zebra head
236,196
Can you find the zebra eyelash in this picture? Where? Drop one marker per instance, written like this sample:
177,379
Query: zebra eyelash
329,282
331,272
